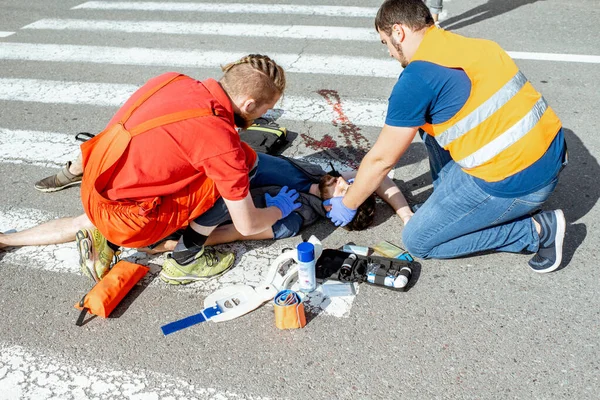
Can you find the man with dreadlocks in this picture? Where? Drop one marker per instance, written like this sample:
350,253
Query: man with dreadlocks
167,156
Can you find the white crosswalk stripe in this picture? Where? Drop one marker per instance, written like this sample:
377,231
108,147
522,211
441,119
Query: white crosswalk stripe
249,265
208,28
237,8
294,63
296,108
46,149
26,374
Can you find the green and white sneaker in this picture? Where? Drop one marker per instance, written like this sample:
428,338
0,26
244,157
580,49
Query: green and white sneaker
95,255
207,264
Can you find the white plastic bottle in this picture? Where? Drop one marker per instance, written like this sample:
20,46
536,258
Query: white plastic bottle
306,267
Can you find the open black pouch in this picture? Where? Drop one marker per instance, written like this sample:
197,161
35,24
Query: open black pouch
329,266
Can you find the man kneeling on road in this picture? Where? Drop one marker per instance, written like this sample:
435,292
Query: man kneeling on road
495,146
167,156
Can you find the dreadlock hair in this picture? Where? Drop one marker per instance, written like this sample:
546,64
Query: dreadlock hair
412,13
254,75
365,214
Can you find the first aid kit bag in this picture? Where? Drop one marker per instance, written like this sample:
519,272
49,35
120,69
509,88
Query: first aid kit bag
108,293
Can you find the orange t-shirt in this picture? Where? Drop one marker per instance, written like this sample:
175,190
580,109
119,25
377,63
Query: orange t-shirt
166,159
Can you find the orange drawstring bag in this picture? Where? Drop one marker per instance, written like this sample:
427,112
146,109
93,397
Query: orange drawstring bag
108,293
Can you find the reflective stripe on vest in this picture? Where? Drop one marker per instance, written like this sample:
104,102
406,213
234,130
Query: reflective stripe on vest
505,125
477,116
511,136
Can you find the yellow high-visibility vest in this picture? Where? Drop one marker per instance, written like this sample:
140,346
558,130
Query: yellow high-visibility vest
505,124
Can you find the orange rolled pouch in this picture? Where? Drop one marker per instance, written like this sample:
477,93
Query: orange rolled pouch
289,310
108,293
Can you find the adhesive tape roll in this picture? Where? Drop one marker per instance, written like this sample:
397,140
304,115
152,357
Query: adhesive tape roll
289,310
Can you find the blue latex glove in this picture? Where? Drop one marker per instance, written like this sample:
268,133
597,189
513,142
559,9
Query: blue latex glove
285,201
339,214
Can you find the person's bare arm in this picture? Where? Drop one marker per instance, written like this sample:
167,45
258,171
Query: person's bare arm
391,194
249,220
375,166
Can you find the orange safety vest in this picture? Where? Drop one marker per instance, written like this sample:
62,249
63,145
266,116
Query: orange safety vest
126,222
505,125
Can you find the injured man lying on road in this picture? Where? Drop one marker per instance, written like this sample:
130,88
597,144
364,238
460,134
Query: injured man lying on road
313,184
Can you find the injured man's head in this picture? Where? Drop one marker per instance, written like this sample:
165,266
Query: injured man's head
332,186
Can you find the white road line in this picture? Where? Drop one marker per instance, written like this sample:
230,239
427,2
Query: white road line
29,374
46,149
54,149
294,63
580,58
217,29
360,112
237,8
5,34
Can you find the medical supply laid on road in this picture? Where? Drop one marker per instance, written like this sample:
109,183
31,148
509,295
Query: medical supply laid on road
108,293
391,273
338,289
186,322
400,280
352,248
306,267
347,267
234,301
390,250
289,310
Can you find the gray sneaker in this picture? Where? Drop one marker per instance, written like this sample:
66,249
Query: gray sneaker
552,235
59,181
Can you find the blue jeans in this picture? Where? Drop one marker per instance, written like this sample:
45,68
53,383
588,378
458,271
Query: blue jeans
269,171
460,218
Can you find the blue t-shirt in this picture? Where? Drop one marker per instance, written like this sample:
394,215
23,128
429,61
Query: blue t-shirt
430,93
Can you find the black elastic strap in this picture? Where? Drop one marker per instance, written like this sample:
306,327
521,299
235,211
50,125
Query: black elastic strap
81,317
333,171
82,313
379,279
113,246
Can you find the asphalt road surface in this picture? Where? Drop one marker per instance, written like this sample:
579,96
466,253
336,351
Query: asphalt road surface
478,327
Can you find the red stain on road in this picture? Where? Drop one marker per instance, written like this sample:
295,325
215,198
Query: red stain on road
350,132
355,143
326,143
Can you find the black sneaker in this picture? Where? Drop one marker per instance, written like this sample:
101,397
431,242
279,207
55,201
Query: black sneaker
552,235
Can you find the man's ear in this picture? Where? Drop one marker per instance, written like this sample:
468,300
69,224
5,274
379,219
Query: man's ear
398,32
249,105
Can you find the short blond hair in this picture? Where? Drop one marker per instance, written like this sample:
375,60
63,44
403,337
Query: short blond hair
254,75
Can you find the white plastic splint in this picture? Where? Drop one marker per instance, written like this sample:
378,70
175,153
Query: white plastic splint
238,300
